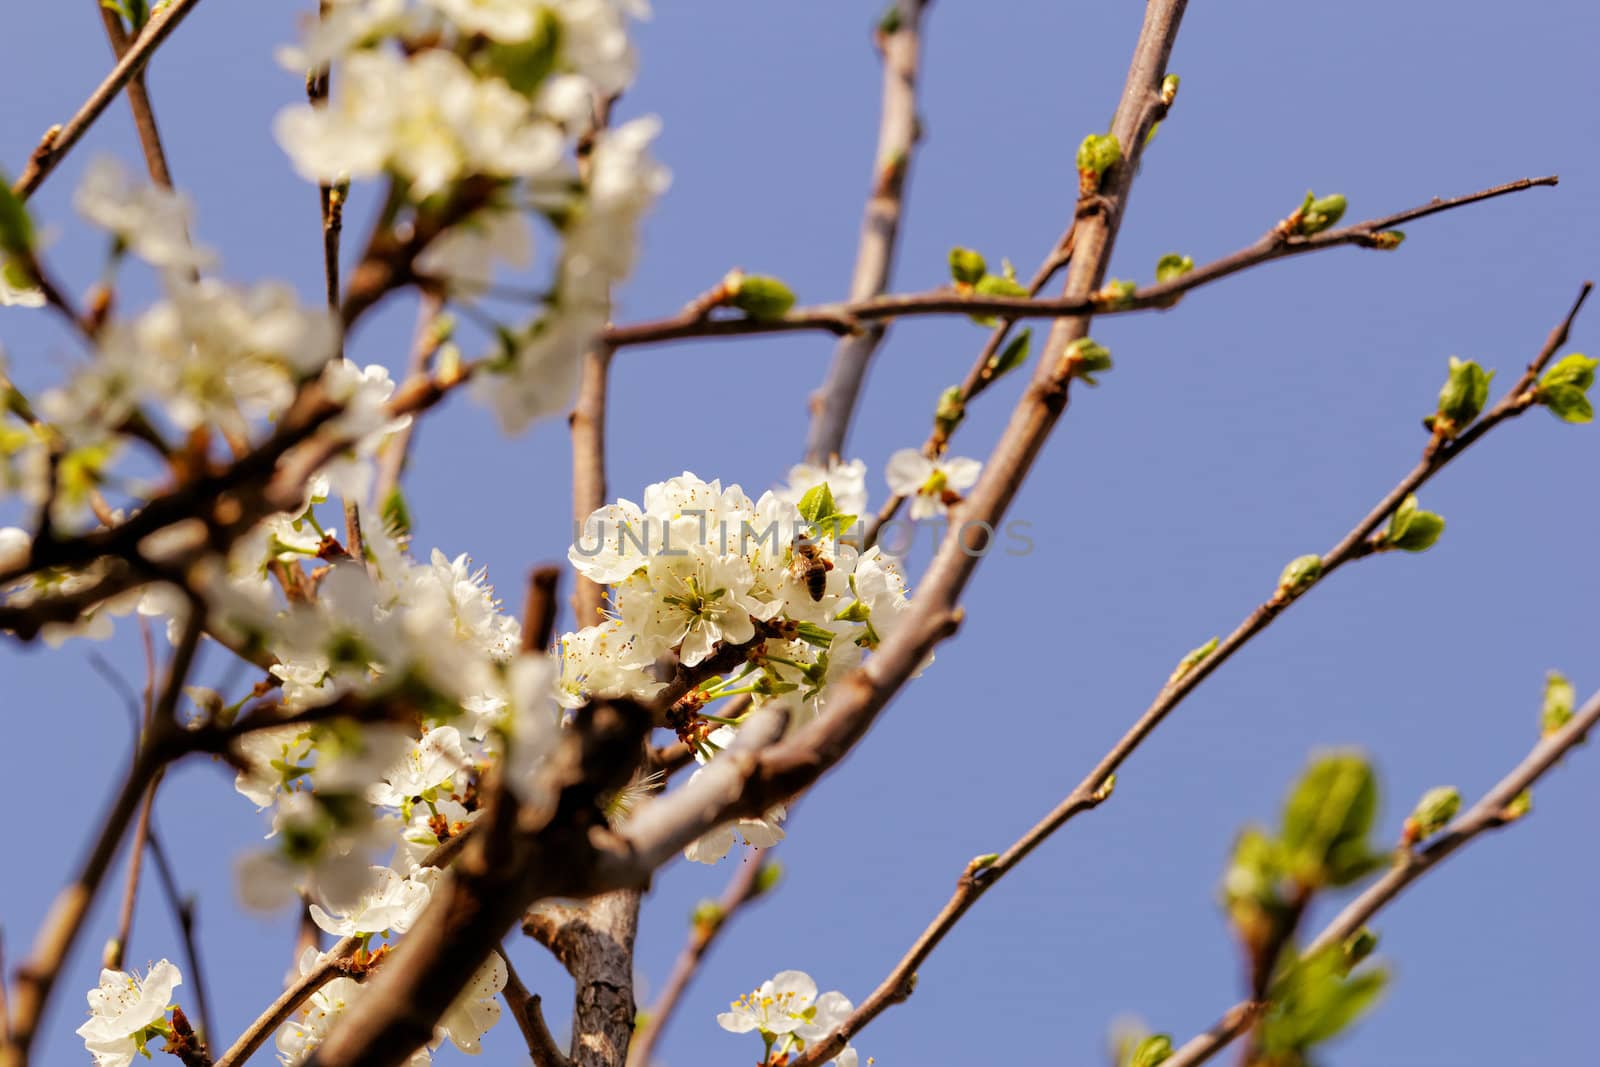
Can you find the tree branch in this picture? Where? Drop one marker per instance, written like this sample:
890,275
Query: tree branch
529,1015
59,140
858,315
144,116
743,887
898,132
61,927
588,423
1096,787
1489,813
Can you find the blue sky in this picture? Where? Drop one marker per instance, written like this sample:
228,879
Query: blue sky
1254,423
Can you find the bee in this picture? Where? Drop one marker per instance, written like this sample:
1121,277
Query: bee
809,568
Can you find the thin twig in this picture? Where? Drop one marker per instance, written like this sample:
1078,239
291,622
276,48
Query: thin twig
61,928
393,454
849,315
117,949
742,888
977,879
183,912
527,1011
898,132
59,140
144,116
1489,813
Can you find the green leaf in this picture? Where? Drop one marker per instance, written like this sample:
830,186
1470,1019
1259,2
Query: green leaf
1564,388
16,229
396,514
1576,369
966,266
1326,820
996,285
525,65
817,503
763,297
1411,529
1567,403
1314,1000
1172,265
1087,358
1466,390
1014,355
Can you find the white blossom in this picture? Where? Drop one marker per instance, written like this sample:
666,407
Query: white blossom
931,485
392,902
122,1007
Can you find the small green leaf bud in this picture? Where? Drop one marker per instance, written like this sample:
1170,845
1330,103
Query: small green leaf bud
706,917
1192,659
1388,240
762,297
1519,806
950,411
1299,575
1172,265
1084,358
1116,294
1411,529
1169,89
1152,1051
1358,946
1436,808
978,863
1107,787
967,267
1466,390
768,878
1097,154
1319,213
1564,388
1559,698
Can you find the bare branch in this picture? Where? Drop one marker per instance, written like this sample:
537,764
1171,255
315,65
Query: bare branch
898,133
183,910
861,315
144,116
743,887
61,928
529,1015
588,424
59,140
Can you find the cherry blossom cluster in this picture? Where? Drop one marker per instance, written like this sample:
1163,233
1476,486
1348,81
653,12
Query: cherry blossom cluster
480,104
724,597
787,1014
